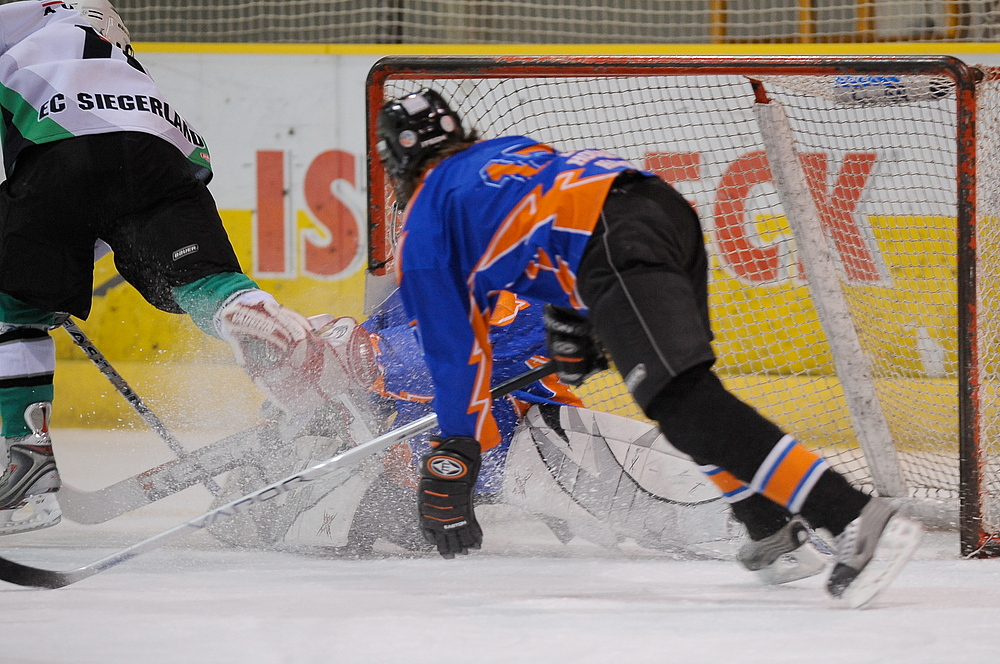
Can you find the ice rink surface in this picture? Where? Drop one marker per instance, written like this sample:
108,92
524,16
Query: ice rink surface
525,598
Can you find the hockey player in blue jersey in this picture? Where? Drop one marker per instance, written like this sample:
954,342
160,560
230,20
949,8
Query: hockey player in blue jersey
619,253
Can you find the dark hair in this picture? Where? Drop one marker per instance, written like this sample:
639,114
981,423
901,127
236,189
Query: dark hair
408,183
414,131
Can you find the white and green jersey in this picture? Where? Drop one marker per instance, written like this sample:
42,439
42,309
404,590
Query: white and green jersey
59,79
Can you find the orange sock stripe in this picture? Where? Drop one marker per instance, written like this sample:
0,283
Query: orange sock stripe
732,487
788,473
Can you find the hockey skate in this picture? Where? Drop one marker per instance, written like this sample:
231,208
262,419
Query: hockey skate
871,552
785,556
30,480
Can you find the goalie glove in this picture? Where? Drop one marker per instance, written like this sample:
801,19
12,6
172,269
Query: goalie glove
572,345
352,345
444,495
279,349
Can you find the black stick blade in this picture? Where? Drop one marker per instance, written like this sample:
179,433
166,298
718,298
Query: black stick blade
25,575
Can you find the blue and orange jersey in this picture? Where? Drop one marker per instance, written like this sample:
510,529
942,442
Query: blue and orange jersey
517,336
507,214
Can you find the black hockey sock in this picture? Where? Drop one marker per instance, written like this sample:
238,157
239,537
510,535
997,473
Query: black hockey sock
762,517
833,503
704,420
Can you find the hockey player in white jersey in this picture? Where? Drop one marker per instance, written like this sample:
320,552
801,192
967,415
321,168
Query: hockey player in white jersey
98,160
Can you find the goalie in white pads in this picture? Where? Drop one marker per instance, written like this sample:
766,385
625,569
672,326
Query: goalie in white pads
97,161
601,477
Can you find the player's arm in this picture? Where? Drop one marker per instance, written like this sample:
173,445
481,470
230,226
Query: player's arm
454,336
456,349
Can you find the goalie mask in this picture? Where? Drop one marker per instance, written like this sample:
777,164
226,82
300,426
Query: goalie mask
412,129
102,15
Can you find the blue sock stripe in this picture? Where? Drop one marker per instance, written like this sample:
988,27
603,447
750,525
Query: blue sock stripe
737,495
809,479
775,463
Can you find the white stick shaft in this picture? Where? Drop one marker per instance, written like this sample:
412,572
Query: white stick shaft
229,510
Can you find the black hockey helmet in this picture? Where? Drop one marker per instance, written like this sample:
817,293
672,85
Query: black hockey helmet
415,127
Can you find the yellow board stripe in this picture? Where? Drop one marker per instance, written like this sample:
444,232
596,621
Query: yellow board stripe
916,48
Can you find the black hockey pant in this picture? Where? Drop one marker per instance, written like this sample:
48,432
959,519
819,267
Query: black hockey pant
644,277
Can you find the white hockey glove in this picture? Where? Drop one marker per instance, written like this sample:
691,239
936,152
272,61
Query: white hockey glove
261,332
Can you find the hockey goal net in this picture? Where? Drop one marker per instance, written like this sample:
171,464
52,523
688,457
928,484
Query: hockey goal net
854,287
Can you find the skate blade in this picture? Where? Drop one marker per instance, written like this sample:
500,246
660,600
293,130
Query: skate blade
895,547
801,563
36,513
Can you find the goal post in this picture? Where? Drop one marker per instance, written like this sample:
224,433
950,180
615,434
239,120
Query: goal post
852,365
838,196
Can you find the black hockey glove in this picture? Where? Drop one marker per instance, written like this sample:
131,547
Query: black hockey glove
572,345
444,497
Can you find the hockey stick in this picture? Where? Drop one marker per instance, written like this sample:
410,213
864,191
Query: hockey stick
148,416
25,575
149,486
131,493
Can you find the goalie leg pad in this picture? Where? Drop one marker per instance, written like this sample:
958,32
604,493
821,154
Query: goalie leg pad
326,523
267,525
570,464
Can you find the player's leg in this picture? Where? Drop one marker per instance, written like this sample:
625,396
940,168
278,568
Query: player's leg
46,265
27,364
644,278
170,243
781,548
710,423
645,281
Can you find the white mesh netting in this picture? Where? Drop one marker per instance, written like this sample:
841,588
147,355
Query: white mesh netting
882,169
558,21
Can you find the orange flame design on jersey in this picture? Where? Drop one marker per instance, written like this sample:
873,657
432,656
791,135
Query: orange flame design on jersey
506,309
572,205
487,431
